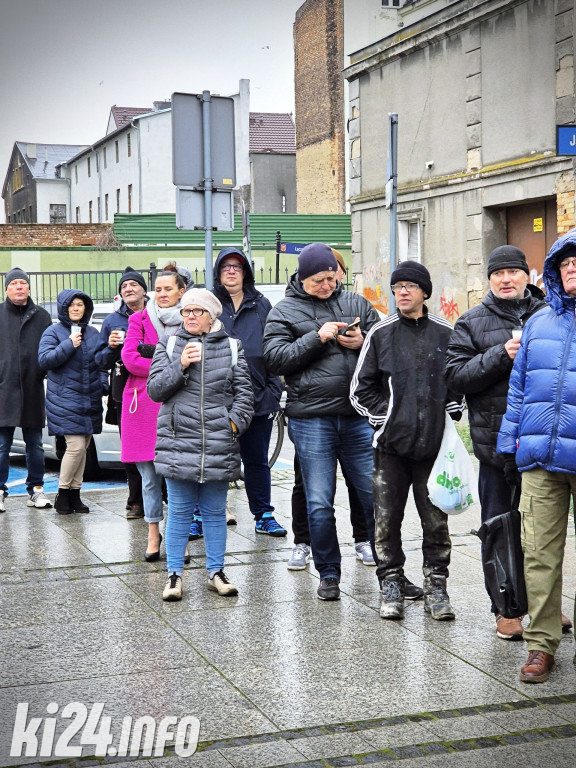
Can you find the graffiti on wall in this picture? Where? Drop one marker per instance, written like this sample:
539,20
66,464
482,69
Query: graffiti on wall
449,307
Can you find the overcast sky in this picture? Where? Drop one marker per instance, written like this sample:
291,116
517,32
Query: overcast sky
64,63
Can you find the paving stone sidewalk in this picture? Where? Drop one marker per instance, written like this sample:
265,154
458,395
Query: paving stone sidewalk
275,676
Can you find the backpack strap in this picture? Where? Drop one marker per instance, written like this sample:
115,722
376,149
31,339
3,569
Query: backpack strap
170,344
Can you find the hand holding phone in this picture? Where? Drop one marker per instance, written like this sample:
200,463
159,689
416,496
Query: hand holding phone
351,327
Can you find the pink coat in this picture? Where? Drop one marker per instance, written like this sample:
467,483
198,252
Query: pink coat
139,413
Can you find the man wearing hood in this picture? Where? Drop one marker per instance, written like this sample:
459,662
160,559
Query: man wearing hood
538,434
479,360
244,313
133,292
22,324
302,342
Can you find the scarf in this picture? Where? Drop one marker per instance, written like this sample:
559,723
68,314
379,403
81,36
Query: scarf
166,320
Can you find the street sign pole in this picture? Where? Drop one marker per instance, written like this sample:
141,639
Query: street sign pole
392,200
209,281
278,240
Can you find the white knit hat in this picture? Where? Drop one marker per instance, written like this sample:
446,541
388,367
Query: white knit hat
200,297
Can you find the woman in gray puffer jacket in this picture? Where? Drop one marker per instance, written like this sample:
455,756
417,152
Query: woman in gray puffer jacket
202,380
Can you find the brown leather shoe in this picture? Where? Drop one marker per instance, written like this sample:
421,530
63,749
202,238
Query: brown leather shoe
509,629
566,623
537,668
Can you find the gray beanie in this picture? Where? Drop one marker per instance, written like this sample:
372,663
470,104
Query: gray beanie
15,274
202,298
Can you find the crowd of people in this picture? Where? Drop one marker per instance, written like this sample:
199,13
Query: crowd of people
193,379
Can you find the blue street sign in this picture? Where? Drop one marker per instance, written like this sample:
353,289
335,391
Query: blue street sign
566,139
292,247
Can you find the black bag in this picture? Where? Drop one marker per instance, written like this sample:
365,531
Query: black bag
503,562
118,379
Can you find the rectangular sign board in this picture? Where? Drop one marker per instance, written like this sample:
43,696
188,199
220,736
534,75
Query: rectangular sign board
190,210
566,139
291,247
188,141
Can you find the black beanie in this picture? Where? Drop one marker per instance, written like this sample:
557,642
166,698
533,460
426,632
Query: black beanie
413,272
131,274
15,274
507,257
315,258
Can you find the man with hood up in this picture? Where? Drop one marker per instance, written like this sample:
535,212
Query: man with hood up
244,313
538,433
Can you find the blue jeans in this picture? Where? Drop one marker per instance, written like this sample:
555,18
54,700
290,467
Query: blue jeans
151,492
254,445
34,456
320,443
183,496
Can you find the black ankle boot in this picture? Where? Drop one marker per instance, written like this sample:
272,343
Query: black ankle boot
62,502
76,502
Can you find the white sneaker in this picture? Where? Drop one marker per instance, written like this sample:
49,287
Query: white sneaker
299,558
38,498
173,588
3,495
219,583
364,552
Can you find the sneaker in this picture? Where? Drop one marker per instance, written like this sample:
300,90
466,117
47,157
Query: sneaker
3,495
328,589
173,588
135,511
509,629
364,552
38,498
392,599
195,530
230,517
299,558
436,600
270,527
220,583
411,591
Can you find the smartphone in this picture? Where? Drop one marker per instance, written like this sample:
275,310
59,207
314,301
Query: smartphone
344,331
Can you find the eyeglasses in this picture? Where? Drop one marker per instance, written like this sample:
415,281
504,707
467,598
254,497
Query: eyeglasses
231,268
565,263
196,311
398,287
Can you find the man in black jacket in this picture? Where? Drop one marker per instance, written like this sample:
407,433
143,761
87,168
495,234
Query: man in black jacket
399,386
22,324
302,343
479,361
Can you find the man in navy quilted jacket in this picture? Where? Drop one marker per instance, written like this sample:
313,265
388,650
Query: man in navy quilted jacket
538,434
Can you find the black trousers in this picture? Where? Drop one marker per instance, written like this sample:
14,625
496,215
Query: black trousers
132,475
393,476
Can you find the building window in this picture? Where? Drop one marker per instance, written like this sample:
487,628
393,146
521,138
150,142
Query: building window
30,214
129,143
117,201
106,207
57,213
90,211
117,148
17,177
76,174
97,162
105,159
77,214
99,211
89,168
391,3
129,198
409,240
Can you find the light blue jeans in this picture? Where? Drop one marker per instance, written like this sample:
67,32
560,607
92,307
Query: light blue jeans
151,492
183,496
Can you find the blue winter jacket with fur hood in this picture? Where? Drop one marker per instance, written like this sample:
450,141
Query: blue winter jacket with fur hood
540,420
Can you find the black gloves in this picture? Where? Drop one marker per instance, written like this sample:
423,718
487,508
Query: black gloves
513,477
146,350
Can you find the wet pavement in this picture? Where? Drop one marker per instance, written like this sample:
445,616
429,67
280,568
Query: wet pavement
275,676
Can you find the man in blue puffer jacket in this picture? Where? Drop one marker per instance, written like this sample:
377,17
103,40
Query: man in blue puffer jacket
538,432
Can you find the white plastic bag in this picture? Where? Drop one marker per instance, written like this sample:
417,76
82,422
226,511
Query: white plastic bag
452,485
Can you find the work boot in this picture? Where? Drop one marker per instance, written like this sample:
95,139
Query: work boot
392,602
537,668
62,502
76,502
436,600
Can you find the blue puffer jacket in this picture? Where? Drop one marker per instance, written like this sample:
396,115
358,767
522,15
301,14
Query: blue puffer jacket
540,420
75,383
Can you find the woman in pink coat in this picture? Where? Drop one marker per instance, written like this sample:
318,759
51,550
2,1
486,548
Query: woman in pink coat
159,319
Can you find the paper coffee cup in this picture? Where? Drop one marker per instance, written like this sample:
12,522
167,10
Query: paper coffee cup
197,344
517,333
122,333
75,329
